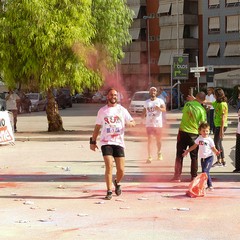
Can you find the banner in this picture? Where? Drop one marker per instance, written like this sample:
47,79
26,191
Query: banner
6,131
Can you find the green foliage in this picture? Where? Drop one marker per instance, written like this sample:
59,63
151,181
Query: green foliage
58,43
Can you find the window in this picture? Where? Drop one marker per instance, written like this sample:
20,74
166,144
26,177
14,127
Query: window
233,23
213,4
232,3
232,49
213,50
214,25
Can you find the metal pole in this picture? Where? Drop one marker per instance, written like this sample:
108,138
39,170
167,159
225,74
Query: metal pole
149,60
197,76
149,56
178,50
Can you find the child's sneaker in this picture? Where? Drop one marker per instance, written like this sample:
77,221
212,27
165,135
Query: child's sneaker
217,164
224,164
210,189
160,157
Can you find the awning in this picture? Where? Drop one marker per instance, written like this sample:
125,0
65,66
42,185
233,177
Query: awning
213,49
177,8
134,32
228,79
164,8
135,9
230,75
165,57
214,23
232,23
213,2
232,49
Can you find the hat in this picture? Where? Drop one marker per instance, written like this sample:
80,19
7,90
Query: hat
153,88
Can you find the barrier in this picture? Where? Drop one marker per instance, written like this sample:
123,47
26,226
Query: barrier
6,128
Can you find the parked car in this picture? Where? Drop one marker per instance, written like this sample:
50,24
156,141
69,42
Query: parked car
137,101
63,97
2,102
79,98
99,97
38,101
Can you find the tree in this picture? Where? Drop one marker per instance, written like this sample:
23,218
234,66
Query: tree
59,43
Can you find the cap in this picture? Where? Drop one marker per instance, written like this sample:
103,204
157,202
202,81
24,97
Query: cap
153,88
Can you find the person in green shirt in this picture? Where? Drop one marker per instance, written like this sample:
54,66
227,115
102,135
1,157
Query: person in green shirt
193,114
220,123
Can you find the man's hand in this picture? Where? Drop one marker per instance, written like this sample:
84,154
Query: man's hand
93,147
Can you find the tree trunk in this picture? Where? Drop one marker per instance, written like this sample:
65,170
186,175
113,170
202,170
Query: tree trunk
55,123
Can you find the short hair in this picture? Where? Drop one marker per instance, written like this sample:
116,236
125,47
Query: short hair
203,125
110,89
201,96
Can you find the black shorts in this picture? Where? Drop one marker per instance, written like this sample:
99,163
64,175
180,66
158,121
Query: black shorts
113,150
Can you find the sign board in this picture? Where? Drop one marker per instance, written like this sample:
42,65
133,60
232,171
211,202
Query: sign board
6,131
180,67
210,68
210,74
196,74
197,69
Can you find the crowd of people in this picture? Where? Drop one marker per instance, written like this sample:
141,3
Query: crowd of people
201,116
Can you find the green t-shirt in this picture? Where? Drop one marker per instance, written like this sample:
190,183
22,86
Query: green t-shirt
220,109
193,114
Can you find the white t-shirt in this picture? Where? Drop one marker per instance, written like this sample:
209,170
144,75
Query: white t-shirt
238,127
113,120
153,116
205,146
210,98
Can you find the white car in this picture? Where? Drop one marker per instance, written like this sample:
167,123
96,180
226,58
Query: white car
39,102
99,98
137,101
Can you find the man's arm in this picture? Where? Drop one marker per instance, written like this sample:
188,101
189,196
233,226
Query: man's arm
93,139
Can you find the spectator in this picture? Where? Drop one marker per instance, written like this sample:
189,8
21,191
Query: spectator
11,103
237,151
210,109
193,114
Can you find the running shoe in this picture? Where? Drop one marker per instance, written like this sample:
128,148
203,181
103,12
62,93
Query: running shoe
160,157
149,160
118,190
109,195
224,164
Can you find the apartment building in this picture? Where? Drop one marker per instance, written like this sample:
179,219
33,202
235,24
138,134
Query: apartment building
221,40
161,29
207,31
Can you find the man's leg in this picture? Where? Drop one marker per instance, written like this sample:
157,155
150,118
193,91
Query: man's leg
108,159
120,165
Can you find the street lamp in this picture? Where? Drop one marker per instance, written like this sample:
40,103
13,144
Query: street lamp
148,42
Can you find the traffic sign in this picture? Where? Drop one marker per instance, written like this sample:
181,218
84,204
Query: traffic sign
197,69
197,74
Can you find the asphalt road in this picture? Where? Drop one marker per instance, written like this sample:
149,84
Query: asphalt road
52,186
